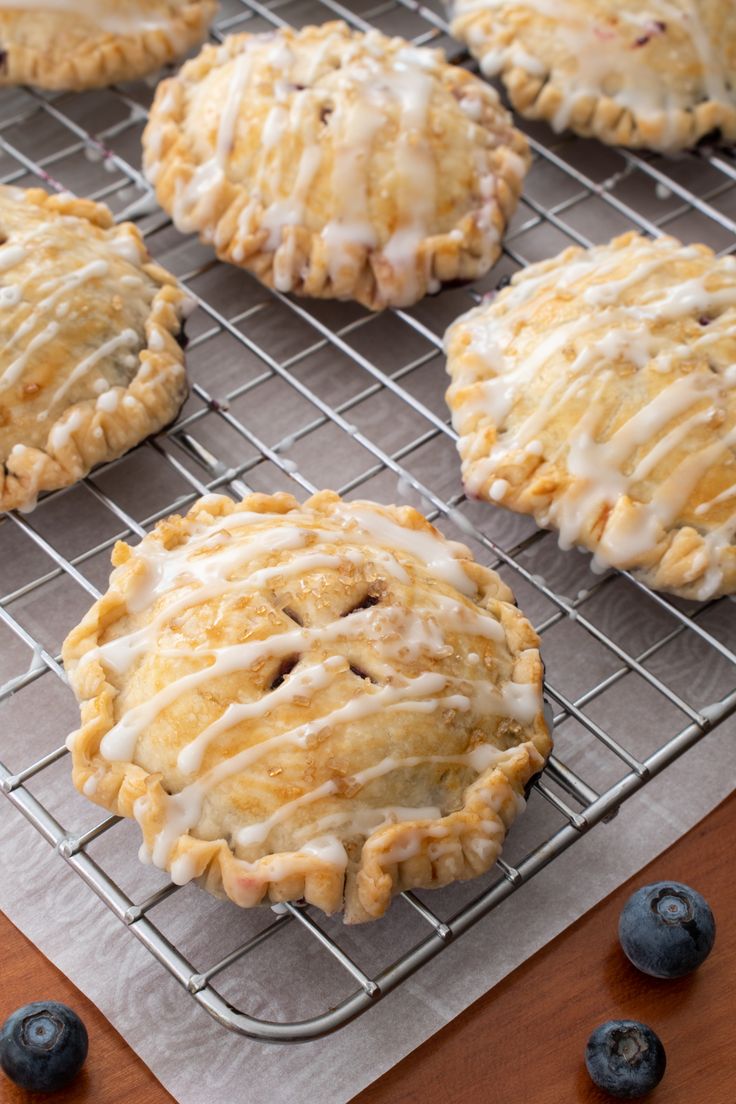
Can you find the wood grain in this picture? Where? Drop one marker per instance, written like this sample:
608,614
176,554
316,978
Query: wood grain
520,1044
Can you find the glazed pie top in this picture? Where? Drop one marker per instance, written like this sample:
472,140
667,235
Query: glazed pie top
598,393
334,163
89,361
76,44
327,701
660,74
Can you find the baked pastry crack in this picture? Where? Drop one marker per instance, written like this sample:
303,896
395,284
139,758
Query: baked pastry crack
76,44
598,393
336,164
90,363
327,701
661,75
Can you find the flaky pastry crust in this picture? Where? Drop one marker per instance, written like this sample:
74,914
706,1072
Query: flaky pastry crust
336,164
325,701
598,393
77,44
661,75
90,363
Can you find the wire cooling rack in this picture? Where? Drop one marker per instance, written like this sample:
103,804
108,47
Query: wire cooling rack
299,394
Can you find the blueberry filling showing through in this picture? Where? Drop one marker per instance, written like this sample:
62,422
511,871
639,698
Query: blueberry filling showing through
360,673
285,669
366,603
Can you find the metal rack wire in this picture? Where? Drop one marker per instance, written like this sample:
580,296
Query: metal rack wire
285,393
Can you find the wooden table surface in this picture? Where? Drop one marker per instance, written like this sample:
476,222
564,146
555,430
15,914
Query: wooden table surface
520,1044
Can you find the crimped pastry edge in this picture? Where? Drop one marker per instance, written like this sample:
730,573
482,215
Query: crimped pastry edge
363,891
155,393
603,117
113,58
670,565
215,216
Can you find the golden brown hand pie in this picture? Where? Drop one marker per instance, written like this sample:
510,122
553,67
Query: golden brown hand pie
89,361
327,700
598,393
76,44
660,74
337,164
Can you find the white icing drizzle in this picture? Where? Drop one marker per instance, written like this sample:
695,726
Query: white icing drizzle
440,556
375,102
184,809
108,400
11,255
119,742
229,120
221,557
301,684
608,466
275,127
10,296
119,654
61,432
174,567
724,496
32,472
416,176
182,869
89,789
58,288
597,57
360,120
127,339
14,371
478,760
40,305
127,247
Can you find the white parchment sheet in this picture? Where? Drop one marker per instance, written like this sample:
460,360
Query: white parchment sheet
308,394
198,1061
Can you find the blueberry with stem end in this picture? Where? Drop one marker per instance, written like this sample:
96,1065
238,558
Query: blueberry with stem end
43,1046
625,1058
666,929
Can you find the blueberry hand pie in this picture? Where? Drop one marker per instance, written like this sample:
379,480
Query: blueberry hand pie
660,74
598,393
89,359
77,44
336,164
325,701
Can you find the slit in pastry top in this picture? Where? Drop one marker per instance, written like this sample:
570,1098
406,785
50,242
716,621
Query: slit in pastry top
289,682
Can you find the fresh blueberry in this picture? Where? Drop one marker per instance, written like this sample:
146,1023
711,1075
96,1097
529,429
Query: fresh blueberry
666,929
625,1058
43,1046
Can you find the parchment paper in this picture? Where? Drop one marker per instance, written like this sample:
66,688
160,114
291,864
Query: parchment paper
198,1061
290,977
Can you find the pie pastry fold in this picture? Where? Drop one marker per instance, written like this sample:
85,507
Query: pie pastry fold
336,164
661,75
598,393
76,44
90,328
328,701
